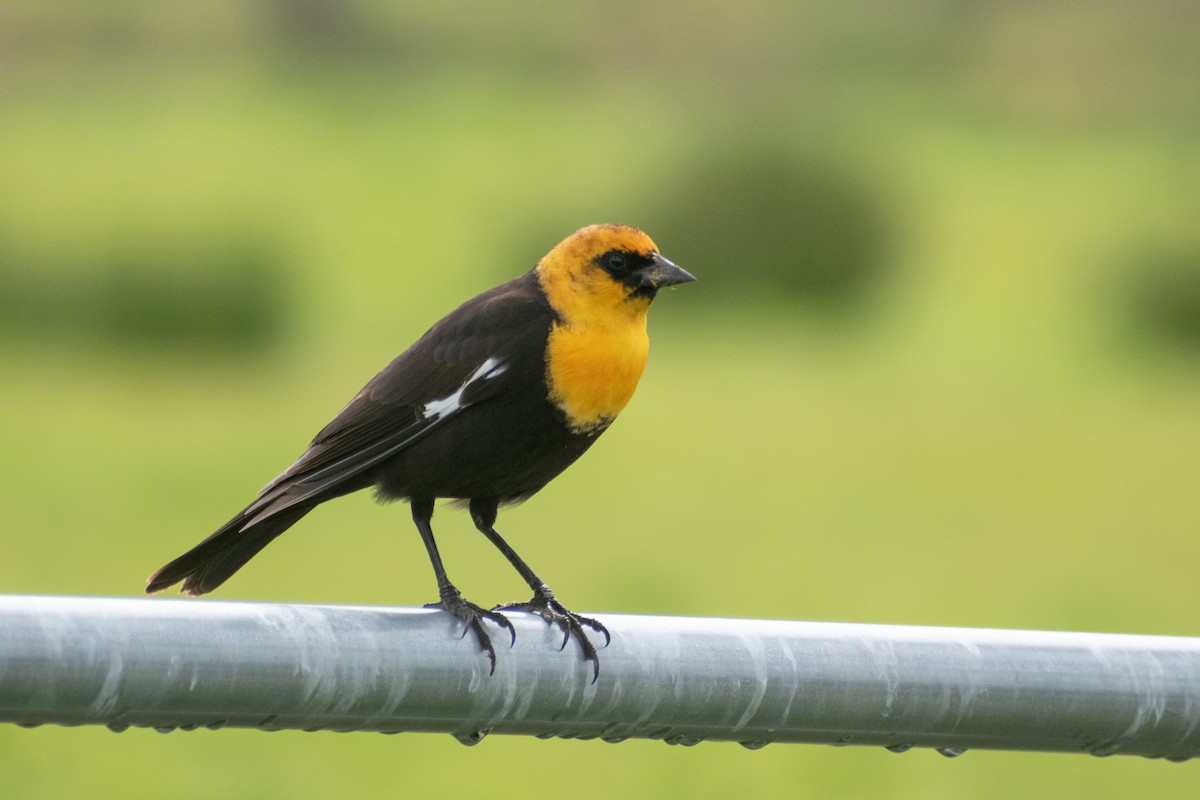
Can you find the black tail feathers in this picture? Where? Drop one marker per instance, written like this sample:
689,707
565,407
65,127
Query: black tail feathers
210,563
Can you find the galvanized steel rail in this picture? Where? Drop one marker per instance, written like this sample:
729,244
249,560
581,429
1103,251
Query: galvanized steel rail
186,664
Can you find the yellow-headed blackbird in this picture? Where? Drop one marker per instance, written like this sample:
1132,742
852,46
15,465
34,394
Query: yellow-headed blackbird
485,408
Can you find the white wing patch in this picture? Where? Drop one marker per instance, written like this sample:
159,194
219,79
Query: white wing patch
437,409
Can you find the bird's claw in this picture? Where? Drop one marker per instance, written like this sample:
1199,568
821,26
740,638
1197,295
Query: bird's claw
473,616
546,606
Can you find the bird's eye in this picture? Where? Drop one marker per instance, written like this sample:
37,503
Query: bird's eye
616,261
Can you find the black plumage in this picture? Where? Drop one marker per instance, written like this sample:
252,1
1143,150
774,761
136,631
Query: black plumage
464,413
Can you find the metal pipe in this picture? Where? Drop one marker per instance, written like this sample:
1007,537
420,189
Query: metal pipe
184,664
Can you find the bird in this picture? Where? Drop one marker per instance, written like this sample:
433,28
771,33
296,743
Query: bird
490,404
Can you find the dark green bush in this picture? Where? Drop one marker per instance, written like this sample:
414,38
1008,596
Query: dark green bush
1162,295
773,223
225,293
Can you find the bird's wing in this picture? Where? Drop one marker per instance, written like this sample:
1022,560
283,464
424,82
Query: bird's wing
458,363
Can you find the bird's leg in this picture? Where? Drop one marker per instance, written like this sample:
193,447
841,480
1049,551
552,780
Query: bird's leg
450,598
543,603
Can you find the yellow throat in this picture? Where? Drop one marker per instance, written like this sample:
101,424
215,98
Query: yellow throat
597,350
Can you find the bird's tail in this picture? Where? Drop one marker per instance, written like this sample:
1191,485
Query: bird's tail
210,563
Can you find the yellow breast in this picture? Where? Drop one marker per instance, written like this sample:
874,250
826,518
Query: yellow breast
592,371
598,345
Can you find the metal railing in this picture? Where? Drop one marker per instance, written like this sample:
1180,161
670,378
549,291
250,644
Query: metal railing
184,664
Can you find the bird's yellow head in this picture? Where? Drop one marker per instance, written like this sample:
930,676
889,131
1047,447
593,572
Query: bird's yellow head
605,271
600,281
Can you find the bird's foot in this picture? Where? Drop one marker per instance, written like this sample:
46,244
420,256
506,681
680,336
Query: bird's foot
473,616
546,606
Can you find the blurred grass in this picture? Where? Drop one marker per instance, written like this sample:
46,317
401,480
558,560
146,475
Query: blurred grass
1000,432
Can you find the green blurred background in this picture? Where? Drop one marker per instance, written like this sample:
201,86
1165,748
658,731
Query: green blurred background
942,364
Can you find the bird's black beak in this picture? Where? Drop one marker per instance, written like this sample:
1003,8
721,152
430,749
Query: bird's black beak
662,272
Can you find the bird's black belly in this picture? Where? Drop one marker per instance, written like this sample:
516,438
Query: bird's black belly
495,450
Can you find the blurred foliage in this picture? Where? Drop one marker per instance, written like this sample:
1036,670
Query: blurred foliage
1163,291
785,223
214,293
218,220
